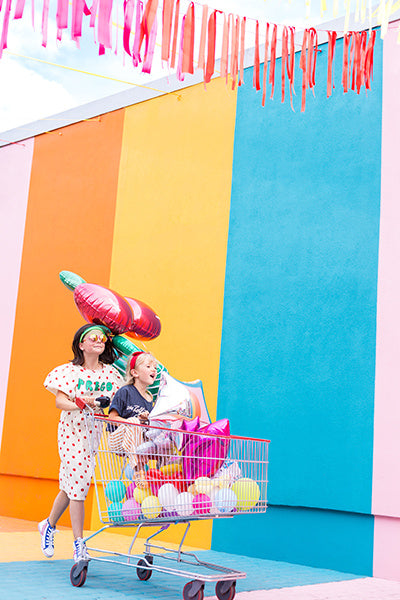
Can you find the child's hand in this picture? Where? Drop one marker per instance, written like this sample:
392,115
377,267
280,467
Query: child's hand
143,416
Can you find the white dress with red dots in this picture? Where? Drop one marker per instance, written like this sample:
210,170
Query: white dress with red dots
76,468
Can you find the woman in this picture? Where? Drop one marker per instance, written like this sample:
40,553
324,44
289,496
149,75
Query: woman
76,384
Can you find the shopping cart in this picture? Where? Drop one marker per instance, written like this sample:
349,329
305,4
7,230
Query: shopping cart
155,476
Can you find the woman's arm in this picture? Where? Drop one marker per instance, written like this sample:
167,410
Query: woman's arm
65,403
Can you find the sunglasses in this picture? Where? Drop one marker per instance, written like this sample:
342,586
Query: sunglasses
96,337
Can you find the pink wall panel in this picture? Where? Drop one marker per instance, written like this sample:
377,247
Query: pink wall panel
15,172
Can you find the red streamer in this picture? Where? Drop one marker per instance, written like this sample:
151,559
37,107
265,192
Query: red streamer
168,8
212,26
175,38
284,59
265,66
225,48
308,59
273,60
332,35
256,68
149,16
290,64
369,60
188,41
203,36
128,16
242,49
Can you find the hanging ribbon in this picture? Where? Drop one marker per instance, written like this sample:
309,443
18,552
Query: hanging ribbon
331,53
188,41
210,65
93,11
265,66
104,24
136,58
225,48
175,36
168,8
128,16
179,74
203,37
256,68
148,19
290,64
235,50
6,21
19,9
272,61
308,59
242,49
45,22
369,60
149,49
345,69
284,59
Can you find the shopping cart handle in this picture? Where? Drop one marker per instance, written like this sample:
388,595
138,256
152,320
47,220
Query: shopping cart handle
102,401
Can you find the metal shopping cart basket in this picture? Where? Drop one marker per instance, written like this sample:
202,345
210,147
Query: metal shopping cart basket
155,476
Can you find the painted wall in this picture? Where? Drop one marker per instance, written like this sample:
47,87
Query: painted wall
266,240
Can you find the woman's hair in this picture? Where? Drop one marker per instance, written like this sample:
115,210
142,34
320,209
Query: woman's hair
108,356
130,380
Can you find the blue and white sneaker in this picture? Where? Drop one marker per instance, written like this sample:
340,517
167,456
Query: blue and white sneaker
80,551
47,534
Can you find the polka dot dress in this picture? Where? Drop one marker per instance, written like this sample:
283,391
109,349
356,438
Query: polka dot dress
76,467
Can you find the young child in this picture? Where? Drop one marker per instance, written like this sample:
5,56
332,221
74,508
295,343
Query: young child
133,403
76,384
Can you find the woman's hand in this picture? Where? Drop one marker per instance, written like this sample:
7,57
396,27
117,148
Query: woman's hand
63,402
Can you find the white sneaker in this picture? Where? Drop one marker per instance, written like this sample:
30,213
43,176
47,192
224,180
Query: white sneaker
47,534
80,551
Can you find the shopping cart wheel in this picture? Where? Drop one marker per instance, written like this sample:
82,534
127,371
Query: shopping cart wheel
225,590
78,573
194,590
144,574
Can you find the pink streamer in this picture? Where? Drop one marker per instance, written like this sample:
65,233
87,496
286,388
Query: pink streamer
62,14
19,9
128,16
104,24
45,22
77,16
136,42
6,21
93,13
150,45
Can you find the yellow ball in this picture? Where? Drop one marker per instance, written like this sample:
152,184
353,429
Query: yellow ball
141,493
192,489
204,485
151,507
247,492
171,469
152,464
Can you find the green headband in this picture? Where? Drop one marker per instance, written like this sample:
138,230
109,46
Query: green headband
92,328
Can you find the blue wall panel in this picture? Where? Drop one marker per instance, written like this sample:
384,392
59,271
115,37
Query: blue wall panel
298,339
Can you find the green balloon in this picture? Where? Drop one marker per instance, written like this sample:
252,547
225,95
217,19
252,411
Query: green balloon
70,280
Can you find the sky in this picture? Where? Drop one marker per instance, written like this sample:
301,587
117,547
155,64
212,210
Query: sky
38,82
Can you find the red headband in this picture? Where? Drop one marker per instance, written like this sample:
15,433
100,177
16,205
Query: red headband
134,358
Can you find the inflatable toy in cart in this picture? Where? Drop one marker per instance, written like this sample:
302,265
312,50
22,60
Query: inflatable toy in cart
186,474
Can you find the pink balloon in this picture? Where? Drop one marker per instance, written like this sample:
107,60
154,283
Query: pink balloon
192,425
202,455
102,306
131,510
146,324
201,504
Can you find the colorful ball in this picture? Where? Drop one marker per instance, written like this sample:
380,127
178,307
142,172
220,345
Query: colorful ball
151,507
201,504
115,490
167,495
184,504
225,500
204,485
130,489
128,471
140,494
247,492
131,510
115,512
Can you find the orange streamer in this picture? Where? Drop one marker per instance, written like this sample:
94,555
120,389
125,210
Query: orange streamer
188,41
175,38
212,25
168,8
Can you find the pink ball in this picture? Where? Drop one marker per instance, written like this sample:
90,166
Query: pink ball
202,504
129,490
131,510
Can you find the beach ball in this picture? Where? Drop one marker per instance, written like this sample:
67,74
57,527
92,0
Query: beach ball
247,492
115,490
115,512
201,504
151,507
184,504
225,500
140,494
131,510
167,495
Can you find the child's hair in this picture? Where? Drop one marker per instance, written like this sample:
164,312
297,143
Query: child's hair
108,356
130,380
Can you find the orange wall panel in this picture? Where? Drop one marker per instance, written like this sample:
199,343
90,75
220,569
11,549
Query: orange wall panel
69,225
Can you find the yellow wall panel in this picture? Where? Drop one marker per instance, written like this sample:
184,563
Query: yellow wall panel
171,225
